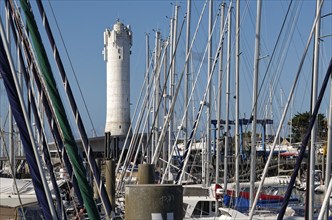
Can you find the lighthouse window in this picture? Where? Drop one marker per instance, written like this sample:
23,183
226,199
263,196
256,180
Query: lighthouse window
119,57
119,50
120,126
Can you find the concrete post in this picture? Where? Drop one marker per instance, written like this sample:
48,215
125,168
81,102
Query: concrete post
145,174
110,181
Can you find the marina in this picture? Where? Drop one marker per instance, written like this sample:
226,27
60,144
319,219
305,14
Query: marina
223,113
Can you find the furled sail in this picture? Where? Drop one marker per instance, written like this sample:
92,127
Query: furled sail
47,158
22,126
88,150
67,135
46,103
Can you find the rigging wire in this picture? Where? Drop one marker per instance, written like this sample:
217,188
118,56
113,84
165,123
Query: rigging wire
175,142
306,77
133,141
136,130
73,70
275,77
285,202
202,103
245,59
139,119
273,52
164,87
156,75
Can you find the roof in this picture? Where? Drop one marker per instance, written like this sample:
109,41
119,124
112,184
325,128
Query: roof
12,201
24,186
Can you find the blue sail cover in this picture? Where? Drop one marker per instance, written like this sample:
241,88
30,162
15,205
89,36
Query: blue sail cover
47,157
50,117
22,126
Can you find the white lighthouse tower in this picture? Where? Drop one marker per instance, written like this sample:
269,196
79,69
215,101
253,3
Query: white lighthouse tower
117,44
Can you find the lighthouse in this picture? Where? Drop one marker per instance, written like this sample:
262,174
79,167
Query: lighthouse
117,44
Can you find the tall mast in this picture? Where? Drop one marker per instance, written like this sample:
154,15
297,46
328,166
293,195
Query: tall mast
173,64
175,31
147,66
186,79
237,94
170,128
219,93
254,103
207,152
165,147
156,95
228,71
313,103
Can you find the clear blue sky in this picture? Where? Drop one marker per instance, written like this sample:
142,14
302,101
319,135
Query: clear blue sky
82,24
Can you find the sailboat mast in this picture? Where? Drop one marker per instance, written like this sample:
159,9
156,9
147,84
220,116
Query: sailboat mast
314,129
173,37
147,67
207,153
153,100
218,147
165,144
254,103
157,93
170,143
186,79
228,73
175,31
237,100
193,132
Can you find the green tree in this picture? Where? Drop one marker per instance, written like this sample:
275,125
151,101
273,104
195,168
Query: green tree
300,123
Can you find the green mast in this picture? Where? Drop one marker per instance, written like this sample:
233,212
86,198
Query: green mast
59,110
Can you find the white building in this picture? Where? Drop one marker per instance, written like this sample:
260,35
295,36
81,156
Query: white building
117,44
